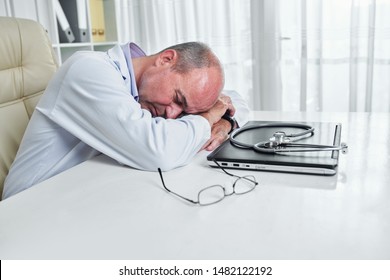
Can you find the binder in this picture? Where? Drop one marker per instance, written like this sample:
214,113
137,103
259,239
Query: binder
82,20
66,33
97,20
76,13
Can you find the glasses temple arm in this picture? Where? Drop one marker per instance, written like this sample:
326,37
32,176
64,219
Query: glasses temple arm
178,195
223,169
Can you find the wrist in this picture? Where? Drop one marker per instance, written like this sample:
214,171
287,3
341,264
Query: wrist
231,120
206,115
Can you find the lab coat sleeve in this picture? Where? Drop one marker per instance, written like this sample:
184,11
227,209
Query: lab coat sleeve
91,101
242,110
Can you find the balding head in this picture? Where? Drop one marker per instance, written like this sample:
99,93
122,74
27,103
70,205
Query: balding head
184,78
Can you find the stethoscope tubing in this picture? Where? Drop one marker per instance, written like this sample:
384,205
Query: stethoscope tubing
307,130
265,146
305,148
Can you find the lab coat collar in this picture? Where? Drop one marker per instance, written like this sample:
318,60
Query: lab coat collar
117,55
121,56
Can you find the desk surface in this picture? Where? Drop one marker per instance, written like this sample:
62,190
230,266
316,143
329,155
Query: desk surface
101,210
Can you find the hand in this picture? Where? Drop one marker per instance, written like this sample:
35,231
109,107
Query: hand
231,108
219,133
223,104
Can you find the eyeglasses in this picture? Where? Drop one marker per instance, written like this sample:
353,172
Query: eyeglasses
215,193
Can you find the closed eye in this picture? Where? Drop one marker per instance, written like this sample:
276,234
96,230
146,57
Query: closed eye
180,99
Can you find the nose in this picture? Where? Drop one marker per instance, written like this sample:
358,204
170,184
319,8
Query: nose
173,111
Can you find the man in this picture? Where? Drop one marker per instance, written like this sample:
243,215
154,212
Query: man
143,111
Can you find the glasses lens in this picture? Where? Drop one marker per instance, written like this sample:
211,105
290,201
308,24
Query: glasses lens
245,184
211,195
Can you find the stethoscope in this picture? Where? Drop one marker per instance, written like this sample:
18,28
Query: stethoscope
281,142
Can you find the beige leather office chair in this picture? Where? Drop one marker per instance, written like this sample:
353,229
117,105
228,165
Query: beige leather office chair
27,62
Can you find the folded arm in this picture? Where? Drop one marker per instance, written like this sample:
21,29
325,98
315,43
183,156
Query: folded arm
238,110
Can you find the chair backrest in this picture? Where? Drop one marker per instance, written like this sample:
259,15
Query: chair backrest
27,62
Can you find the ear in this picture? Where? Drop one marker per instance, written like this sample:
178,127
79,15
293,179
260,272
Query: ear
167,57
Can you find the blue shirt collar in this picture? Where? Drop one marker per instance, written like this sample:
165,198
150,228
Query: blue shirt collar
130,51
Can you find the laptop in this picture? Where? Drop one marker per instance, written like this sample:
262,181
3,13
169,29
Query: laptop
318,163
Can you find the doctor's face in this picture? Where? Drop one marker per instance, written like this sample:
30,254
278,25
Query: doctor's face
167,93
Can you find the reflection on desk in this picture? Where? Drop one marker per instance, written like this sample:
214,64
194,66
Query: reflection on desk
102,210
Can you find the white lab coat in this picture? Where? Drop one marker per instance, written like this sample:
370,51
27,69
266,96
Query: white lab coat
90,107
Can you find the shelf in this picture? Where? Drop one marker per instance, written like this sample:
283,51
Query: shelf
71,45
44,11
78,45
105,43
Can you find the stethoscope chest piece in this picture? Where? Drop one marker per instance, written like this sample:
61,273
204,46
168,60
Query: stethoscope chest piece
278,138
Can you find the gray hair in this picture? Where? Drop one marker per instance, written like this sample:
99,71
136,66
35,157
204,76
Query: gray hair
194,55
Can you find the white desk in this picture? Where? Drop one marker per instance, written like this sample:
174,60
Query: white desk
101,210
